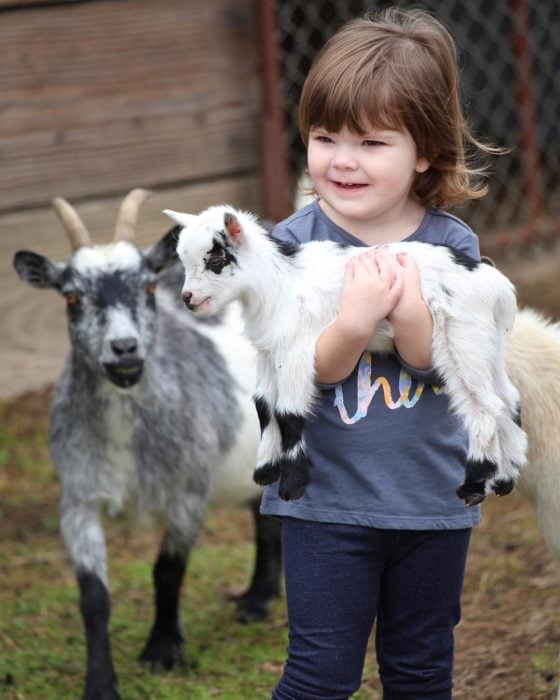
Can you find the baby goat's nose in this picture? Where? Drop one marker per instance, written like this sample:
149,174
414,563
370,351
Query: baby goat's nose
187,296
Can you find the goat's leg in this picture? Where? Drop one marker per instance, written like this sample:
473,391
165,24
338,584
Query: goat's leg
164,648
270,447
83,535
265,584
470,386
296,389
513,440
95,606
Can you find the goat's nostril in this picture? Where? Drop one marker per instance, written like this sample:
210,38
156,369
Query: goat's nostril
187,296
124,346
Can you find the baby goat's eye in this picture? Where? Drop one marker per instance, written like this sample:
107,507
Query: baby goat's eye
151,288
71,298
215,263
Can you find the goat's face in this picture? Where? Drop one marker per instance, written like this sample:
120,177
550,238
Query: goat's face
110,299
209,247
110,295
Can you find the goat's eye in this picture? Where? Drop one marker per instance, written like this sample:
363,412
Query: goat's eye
215,263
71,298
151,288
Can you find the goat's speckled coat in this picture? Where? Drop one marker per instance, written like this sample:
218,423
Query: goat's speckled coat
152,413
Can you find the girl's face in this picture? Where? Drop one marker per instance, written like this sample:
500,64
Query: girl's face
365,180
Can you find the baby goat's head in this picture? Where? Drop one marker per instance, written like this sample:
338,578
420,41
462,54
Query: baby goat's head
109,290
210,246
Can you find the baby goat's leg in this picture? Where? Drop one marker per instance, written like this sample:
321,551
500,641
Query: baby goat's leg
470,388
85,542
296,388
270,447
513,440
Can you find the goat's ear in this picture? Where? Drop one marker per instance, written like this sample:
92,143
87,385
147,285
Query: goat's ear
233,227
164,252
37,270
179,218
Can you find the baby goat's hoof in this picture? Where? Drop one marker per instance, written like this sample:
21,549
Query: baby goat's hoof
503,486
479,470
294,477
472,492
267,474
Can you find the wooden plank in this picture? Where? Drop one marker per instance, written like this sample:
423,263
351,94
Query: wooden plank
33,337
20,4
99,96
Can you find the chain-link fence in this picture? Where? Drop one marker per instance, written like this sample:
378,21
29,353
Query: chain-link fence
510,66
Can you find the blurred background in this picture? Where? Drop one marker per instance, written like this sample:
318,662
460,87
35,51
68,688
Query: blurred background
197,102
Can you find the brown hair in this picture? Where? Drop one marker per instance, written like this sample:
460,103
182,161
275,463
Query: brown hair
398,70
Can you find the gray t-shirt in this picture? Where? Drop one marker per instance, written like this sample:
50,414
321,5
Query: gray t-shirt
386,449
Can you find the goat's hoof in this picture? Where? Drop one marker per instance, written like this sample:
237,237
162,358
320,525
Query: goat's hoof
252,606
162,652
267,474
479,470
472,493
251,610
289,491
503,486
292,485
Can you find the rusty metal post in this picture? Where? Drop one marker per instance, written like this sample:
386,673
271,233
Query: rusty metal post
274,164
528,137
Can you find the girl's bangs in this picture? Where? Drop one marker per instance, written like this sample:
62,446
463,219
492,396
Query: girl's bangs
360,108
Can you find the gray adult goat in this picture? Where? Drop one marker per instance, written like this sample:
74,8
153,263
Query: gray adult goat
153,409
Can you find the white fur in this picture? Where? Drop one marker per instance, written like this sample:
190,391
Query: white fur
288,300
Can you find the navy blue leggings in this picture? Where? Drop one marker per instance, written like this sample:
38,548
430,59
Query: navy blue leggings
339,578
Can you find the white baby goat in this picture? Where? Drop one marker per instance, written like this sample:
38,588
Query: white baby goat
291,292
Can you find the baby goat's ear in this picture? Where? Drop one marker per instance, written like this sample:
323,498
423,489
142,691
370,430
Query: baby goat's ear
179,218
233,227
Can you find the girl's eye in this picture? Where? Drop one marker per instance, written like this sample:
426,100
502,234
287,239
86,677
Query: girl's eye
71,298
371,142
151,288
323,139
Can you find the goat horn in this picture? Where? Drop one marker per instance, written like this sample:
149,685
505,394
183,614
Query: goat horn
126,221
74,226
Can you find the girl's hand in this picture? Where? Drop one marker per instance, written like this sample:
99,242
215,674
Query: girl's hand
410,300
411,319
373,285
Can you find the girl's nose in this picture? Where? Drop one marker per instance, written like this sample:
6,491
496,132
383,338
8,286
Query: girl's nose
344,160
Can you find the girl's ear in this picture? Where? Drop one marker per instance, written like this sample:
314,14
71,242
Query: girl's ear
233,227
422,164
